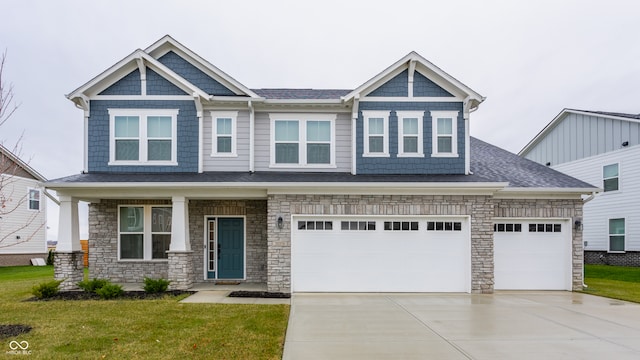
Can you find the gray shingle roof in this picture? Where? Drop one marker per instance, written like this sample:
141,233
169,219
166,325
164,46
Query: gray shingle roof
488,164
303,94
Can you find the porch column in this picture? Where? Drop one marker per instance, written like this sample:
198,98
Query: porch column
68,257
180,254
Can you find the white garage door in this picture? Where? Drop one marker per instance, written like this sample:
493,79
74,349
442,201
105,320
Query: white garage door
532,255
395,254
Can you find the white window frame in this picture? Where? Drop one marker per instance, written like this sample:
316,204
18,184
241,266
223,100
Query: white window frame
607,178
29,190
215,115
609,235
142,114
302,139
366,115
453,115
410,114
147,234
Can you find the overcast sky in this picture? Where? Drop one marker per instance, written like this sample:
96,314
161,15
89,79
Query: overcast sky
530,59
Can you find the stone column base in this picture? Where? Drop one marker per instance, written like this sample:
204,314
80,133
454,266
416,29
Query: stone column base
180,270
68,267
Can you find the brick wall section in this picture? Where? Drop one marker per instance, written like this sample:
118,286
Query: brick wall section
629,258
531,208
256,233
103,246
479,207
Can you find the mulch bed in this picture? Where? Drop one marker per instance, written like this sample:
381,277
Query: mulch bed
259,294
127,295
7,331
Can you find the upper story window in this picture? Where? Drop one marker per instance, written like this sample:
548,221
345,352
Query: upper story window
616,235
376,133
610,177
34,199
143,137
144,232
302,140
224,133
410,137
445,133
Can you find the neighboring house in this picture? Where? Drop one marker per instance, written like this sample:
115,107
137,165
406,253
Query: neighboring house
600,148
23,213
194,177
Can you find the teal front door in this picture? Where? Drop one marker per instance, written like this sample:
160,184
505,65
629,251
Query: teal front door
230,248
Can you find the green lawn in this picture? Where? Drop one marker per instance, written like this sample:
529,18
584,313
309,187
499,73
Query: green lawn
618,282
136,329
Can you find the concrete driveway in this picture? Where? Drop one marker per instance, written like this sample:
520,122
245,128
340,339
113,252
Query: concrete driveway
505,325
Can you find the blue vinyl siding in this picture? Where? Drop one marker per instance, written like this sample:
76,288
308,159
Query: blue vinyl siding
396,87
157,85
187,135
194,75
128,85
424,165
427,88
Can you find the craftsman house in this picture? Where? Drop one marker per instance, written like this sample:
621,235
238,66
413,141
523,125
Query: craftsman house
194,177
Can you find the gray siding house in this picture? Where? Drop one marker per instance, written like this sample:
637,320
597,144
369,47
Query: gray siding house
602,149
194,177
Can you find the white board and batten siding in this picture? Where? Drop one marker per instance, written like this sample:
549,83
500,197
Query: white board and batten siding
32,236
610,205
225,163
580,135
342,145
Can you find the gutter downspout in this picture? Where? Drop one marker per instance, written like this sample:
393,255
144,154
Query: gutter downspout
251,136
467,146
354,120
589,198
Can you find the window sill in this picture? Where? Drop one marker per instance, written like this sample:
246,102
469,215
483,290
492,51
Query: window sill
617,252
302,166
409,155
376,155
140,163
445,155
223,155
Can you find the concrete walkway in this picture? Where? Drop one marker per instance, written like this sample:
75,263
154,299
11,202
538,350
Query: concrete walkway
505,325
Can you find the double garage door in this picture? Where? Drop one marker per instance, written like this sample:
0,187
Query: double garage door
421,254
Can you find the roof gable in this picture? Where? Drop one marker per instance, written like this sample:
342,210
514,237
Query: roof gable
413,63
194,75
11,164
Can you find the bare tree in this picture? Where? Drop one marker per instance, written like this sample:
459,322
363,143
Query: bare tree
13,198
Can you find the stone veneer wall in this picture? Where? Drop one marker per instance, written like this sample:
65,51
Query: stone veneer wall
255,212
536,208
479,207
103,246
629,258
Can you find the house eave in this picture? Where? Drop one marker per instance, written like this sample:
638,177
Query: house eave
544,193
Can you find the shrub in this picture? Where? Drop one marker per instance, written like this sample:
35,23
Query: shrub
47,289
154,286
50,258
109,291
93,285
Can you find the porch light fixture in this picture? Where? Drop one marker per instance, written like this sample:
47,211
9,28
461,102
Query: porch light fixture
280,222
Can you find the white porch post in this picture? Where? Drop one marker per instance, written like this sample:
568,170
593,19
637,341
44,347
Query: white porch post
68,265
180,225
180,254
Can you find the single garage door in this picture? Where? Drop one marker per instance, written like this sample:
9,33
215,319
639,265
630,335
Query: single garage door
532,254
390,254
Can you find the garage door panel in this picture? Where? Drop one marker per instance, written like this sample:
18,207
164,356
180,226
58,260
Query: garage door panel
533,260
381,260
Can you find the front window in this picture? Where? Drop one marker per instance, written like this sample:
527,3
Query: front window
616,235
302,140
143,137
610,177
34,199
376,133
145,232
444,124
224,133
409,134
